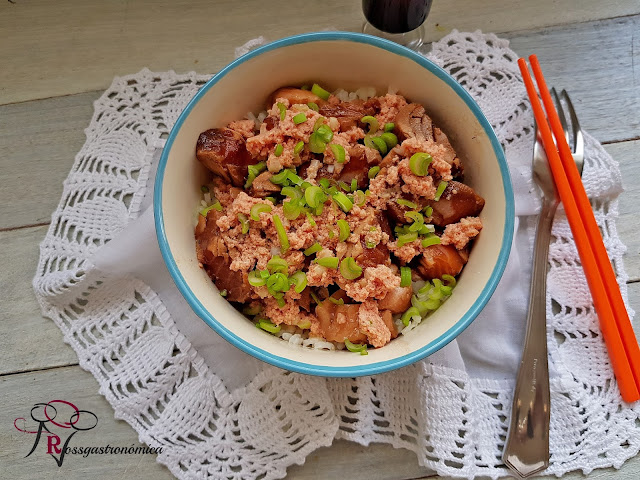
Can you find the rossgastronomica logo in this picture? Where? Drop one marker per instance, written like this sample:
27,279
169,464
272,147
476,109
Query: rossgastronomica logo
56,423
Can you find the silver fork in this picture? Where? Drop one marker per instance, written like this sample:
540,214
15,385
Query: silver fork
526,451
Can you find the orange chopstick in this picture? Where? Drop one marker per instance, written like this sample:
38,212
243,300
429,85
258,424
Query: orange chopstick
614,321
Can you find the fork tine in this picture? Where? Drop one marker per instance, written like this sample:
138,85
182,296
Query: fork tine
563,118
578,139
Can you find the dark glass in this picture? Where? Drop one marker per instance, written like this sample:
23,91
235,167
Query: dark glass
396,16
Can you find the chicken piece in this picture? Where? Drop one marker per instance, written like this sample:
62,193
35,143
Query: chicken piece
412,121
347,113
294,95
438,260
224,152
397,300
212,253
357,167
262,186
387,318
457,201
337,322
378,255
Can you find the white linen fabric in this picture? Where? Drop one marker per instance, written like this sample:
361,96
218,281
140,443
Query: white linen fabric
219,413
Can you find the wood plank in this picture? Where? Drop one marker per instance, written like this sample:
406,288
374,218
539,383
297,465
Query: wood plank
628,154
604,87
18,394
105,39
39,142
28,341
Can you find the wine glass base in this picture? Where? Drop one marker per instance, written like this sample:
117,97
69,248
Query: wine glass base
413,39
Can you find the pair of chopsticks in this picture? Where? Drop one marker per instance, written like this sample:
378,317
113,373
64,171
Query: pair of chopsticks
616,328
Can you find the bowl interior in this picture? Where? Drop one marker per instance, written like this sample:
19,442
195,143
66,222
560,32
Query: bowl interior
348,61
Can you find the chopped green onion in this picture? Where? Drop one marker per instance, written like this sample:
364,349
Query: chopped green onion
426,229
373,171
319,91
325,133
446,290
280,178
242,218
390,139
360,348
407,238
406,203
380,144
440,190
267,326
343,201
354,184
405,276
253,172
324,183
418,220
430,239
291,209
319,122
271,199
282,234
419,163
422,307
293,177
278,282
339,301
279,149
305,325
264,274
310,219
411,312
359,198
314,196
298,148
283,110
291,192
368,141
252,310
331,234
389,126
372,122
299,118
450,279
350,269
428,211
338,152
329,262
257,209
315,298
216,206
304,87
313,106
279,300
316,247
316,144
344,186
277,264
223,293
255,279
299,280
343,227
204,189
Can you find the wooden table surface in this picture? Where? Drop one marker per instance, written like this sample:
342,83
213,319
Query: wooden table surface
57,58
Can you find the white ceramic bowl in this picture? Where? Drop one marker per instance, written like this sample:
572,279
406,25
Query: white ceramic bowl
349,61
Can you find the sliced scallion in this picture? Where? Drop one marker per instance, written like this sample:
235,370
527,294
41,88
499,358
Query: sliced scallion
405,276
216,206
359,198
329,262
354,184
430,239
344,230
278,150
244,221
406,203
293,177
372,122
440,190
319,91
282,234
419,163
313,106
283,110
278,282
380,144
223,293
418,220
407,238
336,301
428,211
291,209
255,279
257,209
271,199
267,326
338,152
389,126
411,312
299,118
343,202
310,219
349,269
316,247
314,196
368,141
390,139
299,280
298,148
316,144
277,264
450,279
373,171
426,229
291,192
280,178
325,133
360,348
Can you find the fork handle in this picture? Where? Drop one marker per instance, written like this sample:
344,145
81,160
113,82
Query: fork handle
527,448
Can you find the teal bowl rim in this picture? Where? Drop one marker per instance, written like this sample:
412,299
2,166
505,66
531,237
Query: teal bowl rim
355,370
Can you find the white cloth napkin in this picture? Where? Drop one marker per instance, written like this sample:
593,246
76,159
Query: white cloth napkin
220,413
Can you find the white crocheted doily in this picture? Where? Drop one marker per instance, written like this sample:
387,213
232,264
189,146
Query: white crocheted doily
454,418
